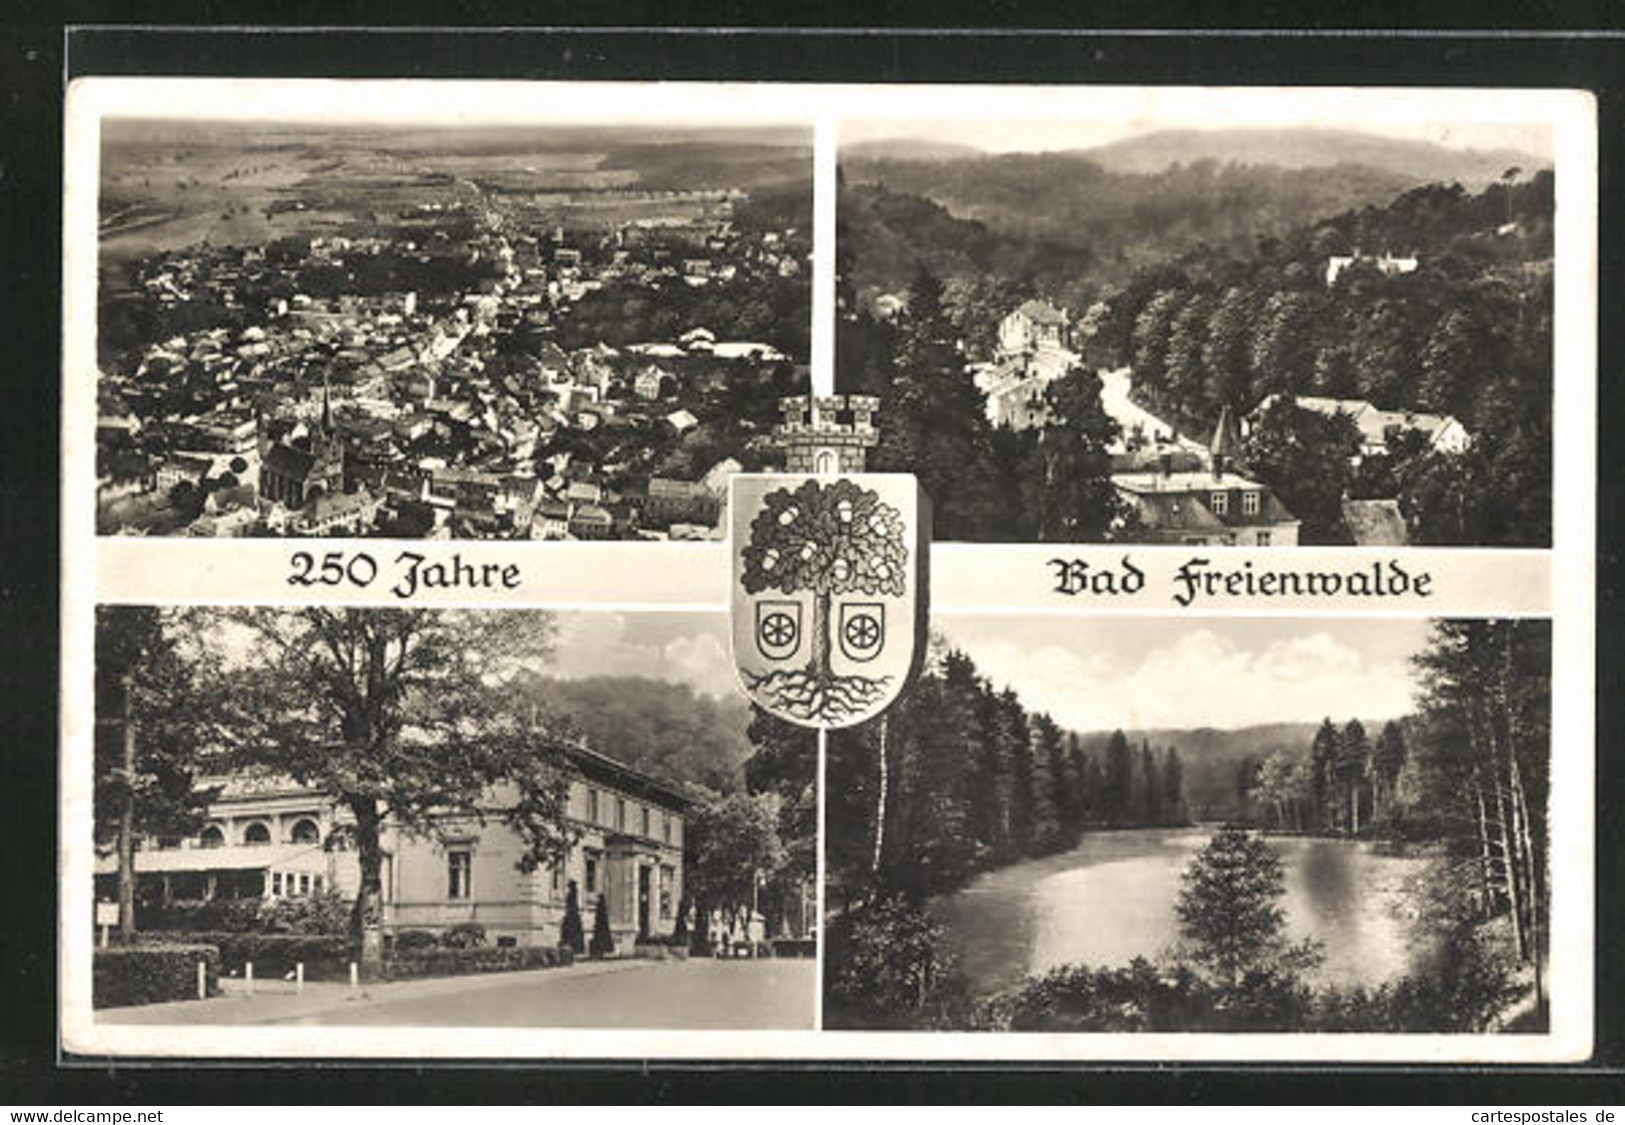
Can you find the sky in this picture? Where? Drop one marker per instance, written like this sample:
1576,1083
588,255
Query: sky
687,648
1089,673
1027,135
1105,673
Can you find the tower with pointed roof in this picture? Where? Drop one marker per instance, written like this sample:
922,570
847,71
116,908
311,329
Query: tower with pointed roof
1226,444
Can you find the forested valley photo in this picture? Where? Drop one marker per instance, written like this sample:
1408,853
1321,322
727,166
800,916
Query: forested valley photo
1254,337
992,867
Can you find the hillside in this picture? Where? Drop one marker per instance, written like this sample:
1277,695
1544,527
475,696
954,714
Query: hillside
1067,224
1418,161
662,728
1063,225
1211,757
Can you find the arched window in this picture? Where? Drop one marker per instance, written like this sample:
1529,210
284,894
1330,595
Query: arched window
826,462
305,832
212,837
256,834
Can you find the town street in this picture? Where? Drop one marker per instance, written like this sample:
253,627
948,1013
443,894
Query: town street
699,994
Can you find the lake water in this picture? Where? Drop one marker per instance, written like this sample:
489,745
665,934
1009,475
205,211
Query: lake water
1112,899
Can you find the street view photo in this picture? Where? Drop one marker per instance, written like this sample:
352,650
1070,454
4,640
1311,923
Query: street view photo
513,330
1264,334
415,818
1198,825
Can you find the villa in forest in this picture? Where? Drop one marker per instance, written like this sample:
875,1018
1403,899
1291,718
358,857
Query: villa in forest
1210,504
1034,350
268,838
1443,432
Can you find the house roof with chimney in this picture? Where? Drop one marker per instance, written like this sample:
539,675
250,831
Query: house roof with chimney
1041,312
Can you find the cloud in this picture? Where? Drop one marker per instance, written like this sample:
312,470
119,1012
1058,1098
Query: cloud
1200,678
659,646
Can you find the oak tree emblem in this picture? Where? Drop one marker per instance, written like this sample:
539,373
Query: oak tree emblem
829,540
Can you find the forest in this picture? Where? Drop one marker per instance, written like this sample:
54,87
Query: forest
1467,334
957,778
986,484
960,776
1069,226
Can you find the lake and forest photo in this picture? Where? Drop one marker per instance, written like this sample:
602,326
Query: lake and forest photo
486,326
448,818
1198,825
1259,329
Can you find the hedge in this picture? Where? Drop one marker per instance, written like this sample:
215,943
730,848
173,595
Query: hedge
274,955
406,964
150,974
795,947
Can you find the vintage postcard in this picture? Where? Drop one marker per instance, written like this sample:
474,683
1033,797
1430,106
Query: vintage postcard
790,571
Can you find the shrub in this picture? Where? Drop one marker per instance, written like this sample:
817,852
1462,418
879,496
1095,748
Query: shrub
325,956
795,947
324,913
409,940
570,934
464,935
603,942
442,962
150,974
885,968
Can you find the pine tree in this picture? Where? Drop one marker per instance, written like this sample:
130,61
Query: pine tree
603,941
1119,780
1322,775
1151,786
1173,788
570,934
1387,759
1353,760
1229,909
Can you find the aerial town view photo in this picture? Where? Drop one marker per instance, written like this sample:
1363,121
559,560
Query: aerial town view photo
514,330
1258,330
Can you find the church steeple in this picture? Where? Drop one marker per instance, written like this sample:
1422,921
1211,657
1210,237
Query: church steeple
327,407
1225,444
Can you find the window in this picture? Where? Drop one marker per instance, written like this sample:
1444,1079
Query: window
1263,539
592,806
305,832
620,814
668,876
556,877
459,873
212,837
665,827
276,884
1219,502
643,820
304,884
1249,503
256,834
592,875
316,884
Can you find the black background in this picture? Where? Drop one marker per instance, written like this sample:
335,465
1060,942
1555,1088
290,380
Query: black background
1532,45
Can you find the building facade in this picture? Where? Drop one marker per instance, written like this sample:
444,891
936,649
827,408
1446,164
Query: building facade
271,839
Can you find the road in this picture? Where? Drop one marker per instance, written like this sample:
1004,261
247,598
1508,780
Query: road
699,994
1114,398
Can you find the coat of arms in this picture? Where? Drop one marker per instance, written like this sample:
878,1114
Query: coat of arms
829,590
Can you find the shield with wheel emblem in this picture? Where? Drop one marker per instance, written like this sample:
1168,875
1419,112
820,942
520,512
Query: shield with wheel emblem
778,628
862,630
829,592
